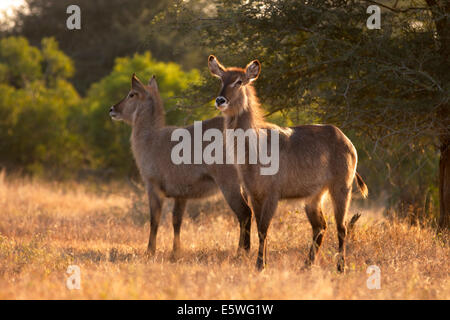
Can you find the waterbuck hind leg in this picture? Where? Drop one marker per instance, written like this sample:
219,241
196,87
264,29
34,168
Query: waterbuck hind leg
319,226
177,219
155,204
264,211
341,198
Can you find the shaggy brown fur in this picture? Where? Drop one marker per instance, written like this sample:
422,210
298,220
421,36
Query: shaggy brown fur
313,160
151,143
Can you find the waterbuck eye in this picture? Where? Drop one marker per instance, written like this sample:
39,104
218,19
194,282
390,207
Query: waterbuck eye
237,84
131,95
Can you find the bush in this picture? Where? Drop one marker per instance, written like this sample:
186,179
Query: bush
36,104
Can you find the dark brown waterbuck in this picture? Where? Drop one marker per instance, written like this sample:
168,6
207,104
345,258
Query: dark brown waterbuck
142,108
313,160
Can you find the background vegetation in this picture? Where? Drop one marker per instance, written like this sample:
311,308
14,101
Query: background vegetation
387,89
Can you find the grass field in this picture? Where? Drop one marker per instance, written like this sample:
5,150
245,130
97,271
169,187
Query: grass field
46,227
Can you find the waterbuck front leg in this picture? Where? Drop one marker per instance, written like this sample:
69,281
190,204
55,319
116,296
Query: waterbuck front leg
264,210
232,194
245,223
155,201
177,218
244,215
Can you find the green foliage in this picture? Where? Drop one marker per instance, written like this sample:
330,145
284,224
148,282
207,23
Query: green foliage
56,63
19,62
34,117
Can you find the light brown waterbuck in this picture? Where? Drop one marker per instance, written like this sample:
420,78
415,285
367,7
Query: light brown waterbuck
313,160
142,108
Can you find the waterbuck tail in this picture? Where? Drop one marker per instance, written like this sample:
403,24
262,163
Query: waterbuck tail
361,185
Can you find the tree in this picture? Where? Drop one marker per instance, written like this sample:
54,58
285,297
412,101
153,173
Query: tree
109,29
390,84
440,12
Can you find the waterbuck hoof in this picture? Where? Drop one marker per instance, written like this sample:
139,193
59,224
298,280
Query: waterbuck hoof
308,265
260,266
242,252
150,253
175,256
341,266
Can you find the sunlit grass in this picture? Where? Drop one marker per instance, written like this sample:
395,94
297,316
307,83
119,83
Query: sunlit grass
46,227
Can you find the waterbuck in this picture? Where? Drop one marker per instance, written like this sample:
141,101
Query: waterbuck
313,160
142,108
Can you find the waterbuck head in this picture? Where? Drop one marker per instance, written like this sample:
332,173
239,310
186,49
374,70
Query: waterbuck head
235,84
141,99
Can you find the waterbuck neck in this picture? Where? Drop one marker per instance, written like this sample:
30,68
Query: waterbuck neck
145,126
249,114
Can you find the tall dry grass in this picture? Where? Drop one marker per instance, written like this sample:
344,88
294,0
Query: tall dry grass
46,227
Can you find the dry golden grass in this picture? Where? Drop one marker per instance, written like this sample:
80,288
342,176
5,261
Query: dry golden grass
46,227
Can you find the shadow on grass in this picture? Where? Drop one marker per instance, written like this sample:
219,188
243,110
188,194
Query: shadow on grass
293,256
113,255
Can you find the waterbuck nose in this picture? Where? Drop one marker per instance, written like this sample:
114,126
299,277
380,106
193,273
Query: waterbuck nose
220,101
111,109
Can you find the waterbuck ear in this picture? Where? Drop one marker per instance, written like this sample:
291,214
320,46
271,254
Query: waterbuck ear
252,70
136,84
152,82
215,67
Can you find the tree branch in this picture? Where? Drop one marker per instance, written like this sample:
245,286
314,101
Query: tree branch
395,9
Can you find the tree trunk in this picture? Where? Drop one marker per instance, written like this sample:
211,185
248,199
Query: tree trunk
444,184
440,10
